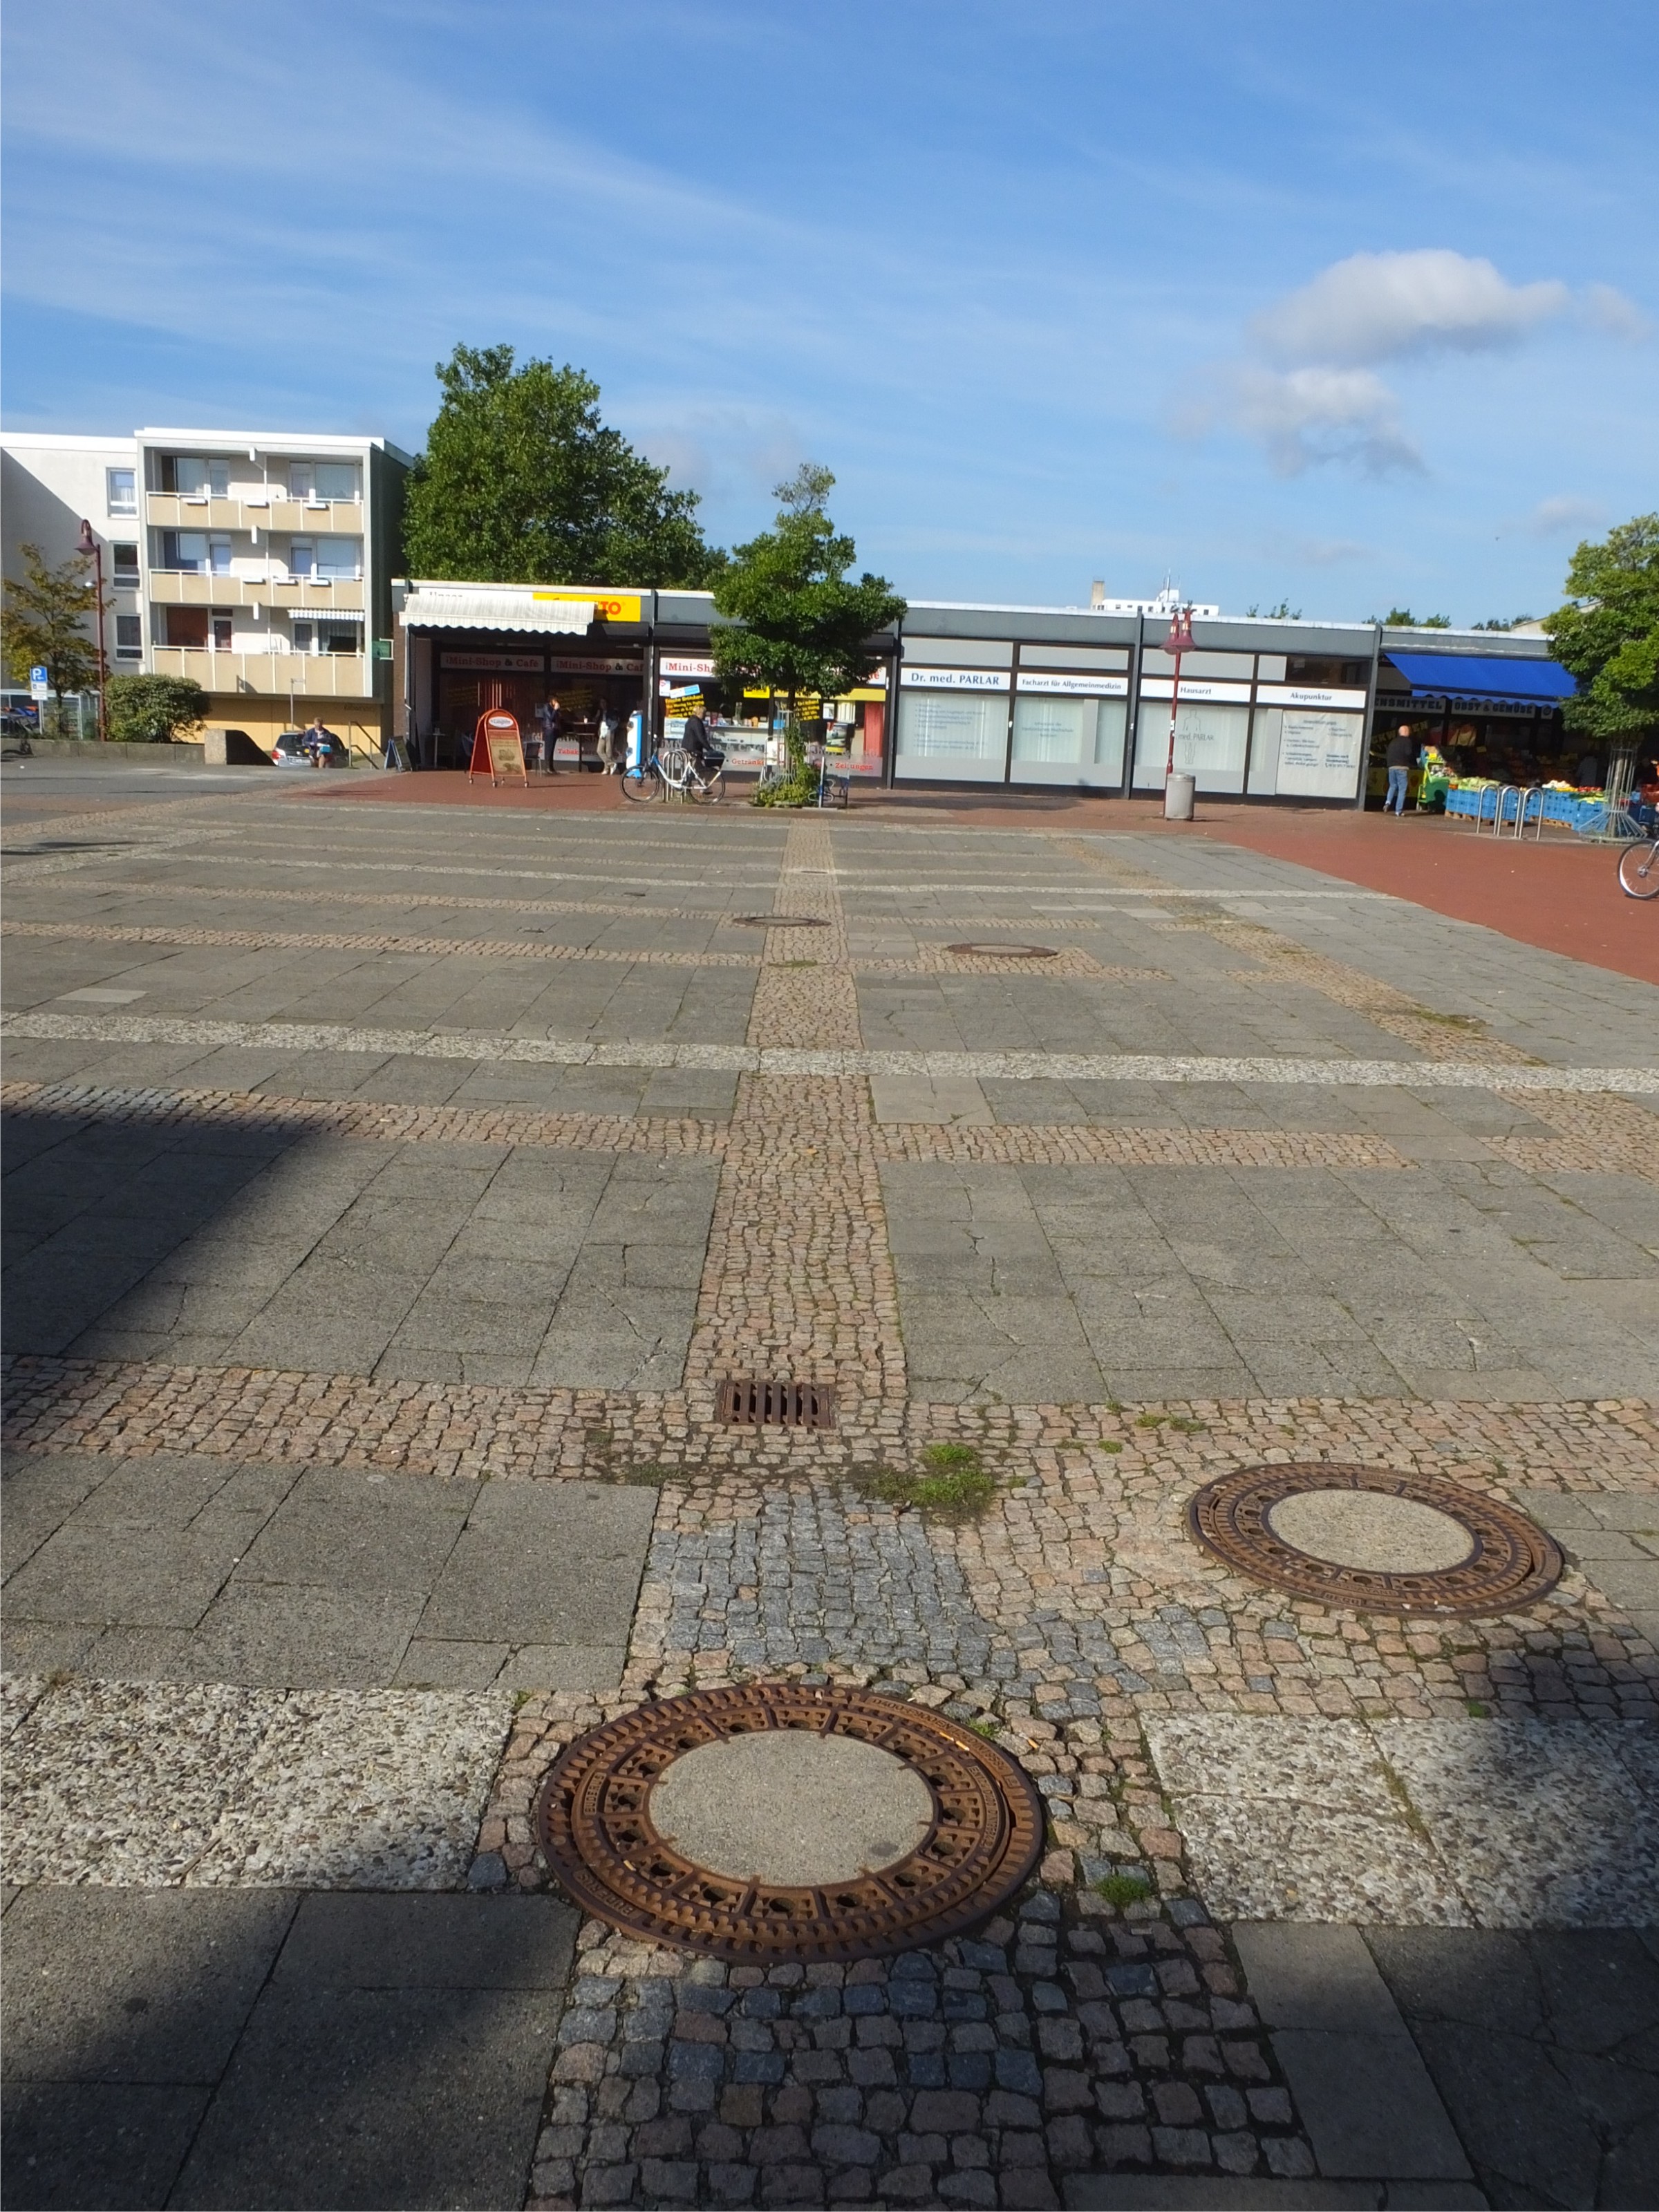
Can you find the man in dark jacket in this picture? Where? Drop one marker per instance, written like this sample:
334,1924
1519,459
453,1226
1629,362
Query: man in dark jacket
1401,751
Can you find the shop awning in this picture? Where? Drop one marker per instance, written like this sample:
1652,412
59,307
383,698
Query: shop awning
1481,676
495,606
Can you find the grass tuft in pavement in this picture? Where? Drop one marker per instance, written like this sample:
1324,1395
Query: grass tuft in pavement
952,1484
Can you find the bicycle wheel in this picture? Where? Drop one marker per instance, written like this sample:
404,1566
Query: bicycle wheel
709,792
1638,871
642,782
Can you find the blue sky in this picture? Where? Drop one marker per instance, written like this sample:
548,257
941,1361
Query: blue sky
1350,306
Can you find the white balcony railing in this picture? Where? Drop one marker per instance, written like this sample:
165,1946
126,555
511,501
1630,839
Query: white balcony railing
269,675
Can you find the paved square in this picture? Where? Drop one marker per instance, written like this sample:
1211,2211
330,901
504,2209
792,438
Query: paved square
388,1191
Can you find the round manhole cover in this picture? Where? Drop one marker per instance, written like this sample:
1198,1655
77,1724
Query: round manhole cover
781,920
1003,951
774,1822
1373,1540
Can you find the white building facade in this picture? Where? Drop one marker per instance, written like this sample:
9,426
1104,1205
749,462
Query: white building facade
256,563
51,483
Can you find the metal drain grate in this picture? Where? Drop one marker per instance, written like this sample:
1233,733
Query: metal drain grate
1003,951
781,920
748,1403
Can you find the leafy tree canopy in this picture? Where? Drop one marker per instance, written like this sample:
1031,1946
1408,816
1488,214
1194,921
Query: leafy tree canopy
1501,622
150,710
1403,618
798,624
45,620
1607,634
522,484
1283,612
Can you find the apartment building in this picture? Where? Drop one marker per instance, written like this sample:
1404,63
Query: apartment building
265,564
257,563
51,483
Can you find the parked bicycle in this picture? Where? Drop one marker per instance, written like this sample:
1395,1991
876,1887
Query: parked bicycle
671,768
1639,870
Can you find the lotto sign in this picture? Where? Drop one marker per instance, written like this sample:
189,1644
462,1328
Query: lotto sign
497,748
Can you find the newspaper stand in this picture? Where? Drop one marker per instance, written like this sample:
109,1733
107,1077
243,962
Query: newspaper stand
498,748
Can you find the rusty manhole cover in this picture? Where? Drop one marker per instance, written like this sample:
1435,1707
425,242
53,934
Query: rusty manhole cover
781,920
934,1830
1373,1540
1003,951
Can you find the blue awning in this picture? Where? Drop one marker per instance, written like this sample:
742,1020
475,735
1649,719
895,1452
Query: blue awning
1475,675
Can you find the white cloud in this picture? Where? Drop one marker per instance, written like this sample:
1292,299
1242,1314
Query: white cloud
1307,390
1606,309
1379,307
1302,416
1557,517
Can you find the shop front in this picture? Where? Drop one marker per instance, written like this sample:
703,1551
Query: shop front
1027,698
469,649
1477,717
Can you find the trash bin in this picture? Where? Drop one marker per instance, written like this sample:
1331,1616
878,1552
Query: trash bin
1178,798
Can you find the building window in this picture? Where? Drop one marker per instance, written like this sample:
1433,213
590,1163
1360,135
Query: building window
188,627
129,637
221,635
125,558
121,491
338,637
185,550
341,558
304,633
301,557
219,553
336,479
194,477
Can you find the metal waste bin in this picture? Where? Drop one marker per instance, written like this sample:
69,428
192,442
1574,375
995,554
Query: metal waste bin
1178,798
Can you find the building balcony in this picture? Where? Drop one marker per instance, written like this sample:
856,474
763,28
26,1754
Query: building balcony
269,675
325,518
288,595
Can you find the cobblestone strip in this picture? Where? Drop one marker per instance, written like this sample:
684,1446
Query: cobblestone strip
109,1105
798,1281
1065,2040
806,996
816,1002
482,948
1070,961
467,903
135,1408
1599,1136
1071,1144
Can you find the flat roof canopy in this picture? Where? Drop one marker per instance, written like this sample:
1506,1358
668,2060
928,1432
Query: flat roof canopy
496,606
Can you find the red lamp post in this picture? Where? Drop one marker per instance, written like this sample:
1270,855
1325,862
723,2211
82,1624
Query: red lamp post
1179,641
88,544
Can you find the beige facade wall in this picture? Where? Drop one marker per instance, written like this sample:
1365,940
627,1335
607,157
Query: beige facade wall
361,722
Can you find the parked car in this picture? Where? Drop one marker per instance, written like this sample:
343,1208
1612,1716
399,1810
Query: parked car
300,748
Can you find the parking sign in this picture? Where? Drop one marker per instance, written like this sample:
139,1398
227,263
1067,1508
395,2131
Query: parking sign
39,682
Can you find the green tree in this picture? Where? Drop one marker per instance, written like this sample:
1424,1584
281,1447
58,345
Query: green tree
1403,618
149,710
1607,634
522,484
794,622
1498,622
45,620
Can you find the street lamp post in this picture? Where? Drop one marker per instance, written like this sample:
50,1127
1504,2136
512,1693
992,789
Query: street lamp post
1179,641
88,543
